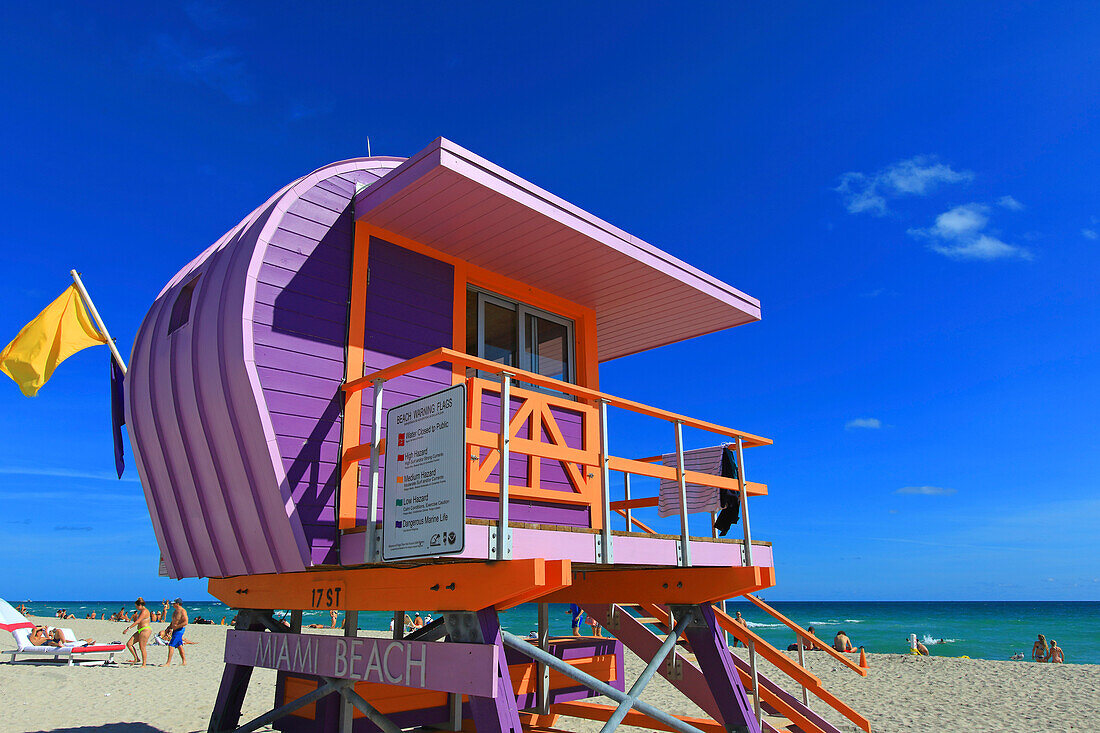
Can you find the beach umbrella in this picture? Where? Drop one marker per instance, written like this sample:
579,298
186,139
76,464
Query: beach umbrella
10,619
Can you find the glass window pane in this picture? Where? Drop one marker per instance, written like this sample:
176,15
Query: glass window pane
548,342
500,334
471,323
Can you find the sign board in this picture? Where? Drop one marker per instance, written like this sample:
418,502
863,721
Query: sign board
468,669
424,500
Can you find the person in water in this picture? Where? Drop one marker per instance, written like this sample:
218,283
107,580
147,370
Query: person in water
842,643
1039,649
141,636
1055,656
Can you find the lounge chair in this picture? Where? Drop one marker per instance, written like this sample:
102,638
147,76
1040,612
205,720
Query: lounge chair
71,650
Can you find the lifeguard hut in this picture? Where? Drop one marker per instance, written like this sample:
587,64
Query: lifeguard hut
468,311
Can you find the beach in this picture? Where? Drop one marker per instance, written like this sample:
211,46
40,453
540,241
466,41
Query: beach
901,693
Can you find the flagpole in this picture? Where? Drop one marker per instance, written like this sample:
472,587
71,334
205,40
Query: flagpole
98,321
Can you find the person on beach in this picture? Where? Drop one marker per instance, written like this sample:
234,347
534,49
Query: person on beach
177,627
738,620
576,613
144,631
1055,656
1039,651
418,621
46,636
922,649
842,643
596,631
332,615
22,608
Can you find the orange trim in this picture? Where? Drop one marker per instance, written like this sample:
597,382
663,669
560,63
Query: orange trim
655,470
662,585
792,670
642,503
351,427
539,380
601,712
466,586
636,522
584,318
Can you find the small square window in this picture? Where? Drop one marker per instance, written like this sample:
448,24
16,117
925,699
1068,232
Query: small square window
181,309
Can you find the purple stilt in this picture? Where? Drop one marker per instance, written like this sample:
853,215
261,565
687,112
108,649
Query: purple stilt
493,715
716,662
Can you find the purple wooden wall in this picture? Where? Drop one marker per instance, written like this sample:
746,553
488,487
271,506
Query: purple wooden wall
410,311
230,415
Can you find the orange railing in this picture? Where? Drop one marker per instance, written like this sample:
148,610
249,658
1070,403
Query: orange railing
586,467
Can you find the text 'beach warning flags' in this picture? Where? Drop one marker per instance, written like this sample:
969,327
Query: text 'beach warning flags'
55,334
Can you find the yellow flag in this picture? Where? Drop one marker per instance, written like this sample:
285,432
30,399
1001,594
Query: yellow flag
57,333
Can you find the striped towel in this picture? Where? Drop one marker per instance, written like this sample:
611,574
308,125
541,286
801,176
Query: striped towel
699,498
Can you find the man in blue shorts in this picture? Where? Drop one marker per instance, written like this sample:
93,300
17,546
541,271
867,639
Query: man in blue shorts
176,629
577,614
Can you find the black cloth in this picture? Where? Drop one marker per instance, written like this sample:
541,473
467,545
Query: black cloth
728,500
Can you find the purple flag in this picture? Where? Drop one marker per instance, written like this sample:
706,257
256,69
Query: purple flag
118,414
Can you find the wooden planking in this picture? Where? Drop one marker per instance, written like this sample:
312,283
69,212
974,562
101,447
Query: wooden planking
466,207
300,329
409,283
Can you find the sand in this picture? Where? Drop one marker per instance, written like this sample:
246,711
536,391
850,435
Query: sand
902,693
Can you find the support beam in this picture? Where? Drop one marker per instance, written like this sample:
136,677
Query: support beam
716,664
467,586
662,585
269,717
226,715
647,674
593,683
497,714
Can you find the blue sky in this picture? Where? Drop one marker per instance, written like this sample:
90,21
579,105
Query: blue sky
910,191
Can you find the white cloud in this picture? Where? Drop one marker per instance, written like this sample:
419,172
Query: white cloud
917,176
871,423
925,490
958,234
1010,202
1089,234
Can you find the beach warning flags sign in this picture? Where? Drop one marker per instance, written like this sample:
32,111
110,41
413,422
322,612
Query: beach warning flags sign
55,334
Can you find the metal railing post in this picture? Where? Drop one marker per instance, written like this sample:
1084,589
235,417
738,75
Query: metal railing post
504,545
744,501
685,543
802,663
375,445
755,682
543,707
351,628
626,495
605,487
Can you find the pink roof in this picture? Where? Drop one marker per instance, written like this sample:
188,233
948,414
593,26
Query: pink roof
459,203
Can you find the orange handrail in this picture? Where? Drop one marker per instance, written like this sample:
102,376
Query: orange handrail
472,362
782,663
803,634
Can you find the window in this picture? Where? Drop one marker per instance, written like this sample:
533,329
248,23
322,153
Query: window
181,309
519,335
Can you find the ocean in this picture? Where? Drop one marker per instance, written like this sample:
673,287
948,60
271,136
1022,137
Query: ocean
976,629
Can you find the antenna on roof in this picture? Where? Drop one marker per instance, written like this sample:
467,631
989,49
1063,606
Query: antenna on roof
368,147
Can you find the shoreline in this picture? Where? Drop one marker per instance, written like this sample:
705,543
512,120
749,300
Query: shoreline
902,693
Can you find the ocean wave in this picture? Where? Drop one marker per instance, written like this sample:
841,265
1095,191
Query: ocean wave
853,621
929,639
754,625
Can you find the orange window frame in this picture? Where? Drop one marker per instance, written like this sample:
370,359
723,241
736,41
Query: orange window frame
465,275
